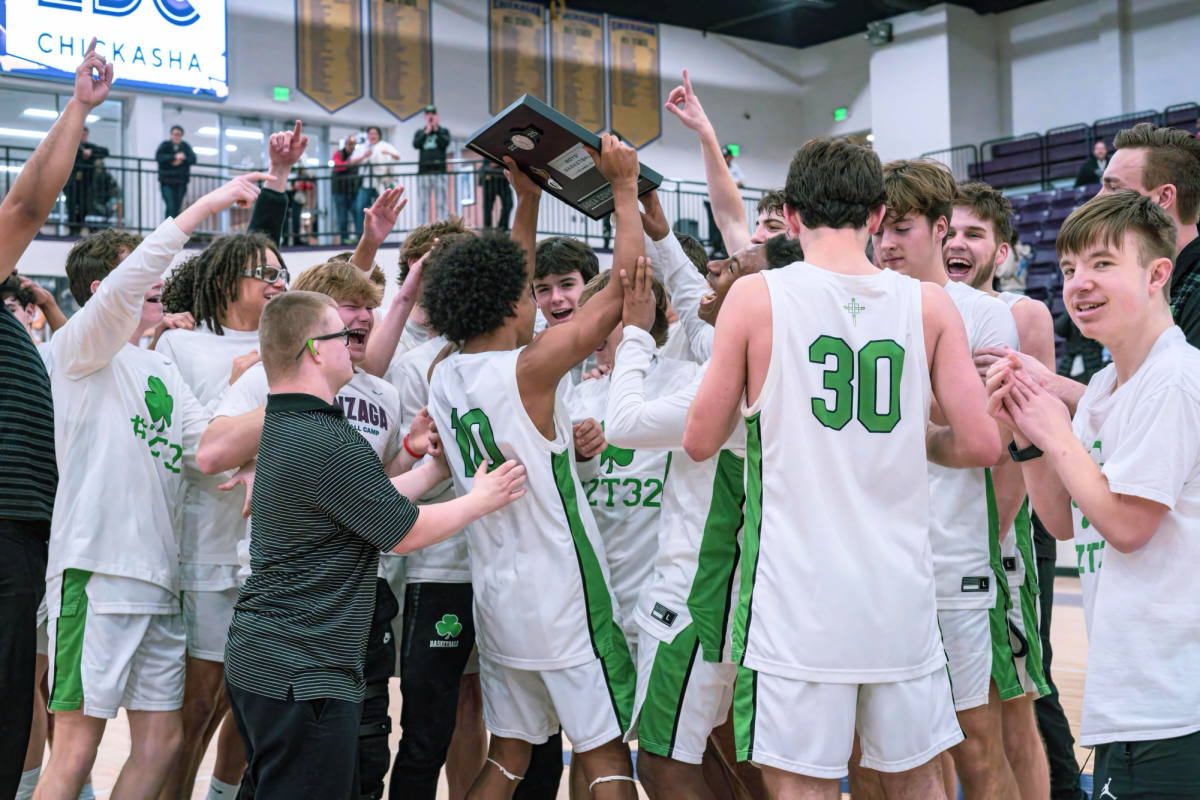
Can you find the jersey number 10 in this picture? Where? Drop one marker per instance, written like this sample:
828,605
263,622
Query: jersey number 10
476,442
840,380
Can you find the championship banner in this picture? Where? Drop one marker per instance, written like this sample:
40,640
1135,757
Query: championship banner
329,51
577,67
401,55
516,52
636,113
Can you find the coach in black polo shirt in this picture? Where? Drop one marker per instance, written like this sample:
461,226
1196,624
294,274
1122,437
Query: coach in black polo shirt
323,508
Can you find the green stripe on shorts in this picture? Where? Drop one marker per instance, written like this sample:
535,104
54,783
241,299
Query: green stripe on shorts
751,533
745,701
658,721
1004,664
1029,615
711,597
66,691
608,640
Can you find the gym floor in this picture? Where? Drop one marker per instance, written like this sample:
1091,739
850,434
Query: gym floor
1068,637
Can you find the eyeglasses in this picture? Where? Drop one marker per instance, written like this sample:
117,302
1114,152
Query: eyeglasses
268,273
343,334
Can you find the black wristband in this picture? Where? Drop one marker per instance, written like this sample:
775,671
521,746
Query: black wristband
1028,454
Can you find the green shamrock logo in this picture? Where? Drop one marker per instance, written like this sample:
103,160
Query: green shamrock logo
159,402
616,457
448,627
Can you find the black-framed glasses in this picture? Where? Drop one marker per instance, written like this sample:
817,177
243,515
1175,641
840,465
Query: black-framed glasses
343,334
268,273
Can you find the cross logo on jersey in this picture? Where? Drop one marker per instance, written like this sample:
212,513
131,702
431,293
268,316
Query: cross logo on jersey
855,308
159,403
616,457
448,627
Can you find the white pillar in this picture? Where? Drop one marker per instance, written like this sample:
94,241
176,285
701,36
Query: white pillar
144,126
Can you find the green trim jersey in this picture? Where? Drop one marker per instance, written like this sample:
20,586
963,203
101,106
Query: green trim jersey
694,578
837,578
447,561
626,494
123,419
1141,608
963,523
543,600
1016,548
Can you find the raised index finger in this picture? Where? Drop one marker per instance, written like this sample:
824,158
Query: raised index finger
687,84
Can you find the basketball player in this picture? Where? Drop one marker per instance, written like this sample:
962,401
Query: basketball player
113,575
683,610
1120,479
972,590
836,621
497,399
976,243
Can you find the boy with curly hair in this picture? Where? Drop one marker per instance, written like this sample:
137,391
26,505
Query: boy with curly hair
498,399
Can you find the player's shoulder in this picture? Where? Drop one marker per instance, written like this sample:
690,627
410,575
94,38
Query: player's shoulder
377,390
1031,316
1176,364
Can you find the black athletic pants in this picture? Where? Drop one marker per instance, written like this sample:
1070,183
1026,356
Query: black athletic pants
297,748
494,187
22,585
1163,769
1052,722
439,633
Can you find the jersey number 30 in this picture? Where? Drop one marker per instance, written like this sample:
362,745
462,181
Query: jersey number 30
840,380
475,440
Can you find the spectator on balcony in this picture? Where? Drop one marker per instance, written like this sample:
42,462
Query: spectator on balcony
299,193
346,184
175,159
734,170
1093,169
431,142
379,174
79,187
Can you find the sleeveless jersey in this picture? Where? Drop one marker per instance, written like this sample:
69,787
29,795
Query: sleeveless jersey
626,491
538,567
837,578
1016,550
964,525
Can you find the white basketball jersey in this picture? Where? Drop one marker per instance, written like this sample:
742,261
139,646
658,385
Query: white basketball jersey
538,566
626,494
964,524
837,579
1012,547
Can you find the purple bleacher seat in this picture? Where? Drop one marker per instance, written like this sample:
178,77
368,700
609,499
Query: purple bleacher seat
1044,252
1013,177
1064,169
1085,193
1036,293
1060,213
1048,281
1057,306
1024,145
1182,116
1013,161
1072,135
1039,201
1067,152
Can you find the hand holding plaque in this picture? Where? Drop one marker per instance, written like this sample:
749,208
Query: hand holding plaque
558,156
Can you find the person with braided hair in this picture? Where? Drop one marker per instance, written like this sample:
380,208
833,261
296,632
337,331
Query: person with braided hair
225,288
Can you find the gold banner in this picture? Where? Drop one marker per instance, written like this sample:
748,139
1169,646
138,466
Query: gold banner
577,66
516,52
401,55
634,90
329,51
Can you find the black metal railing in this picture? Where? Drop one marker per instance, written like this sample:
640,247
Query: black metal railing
961,160
124,192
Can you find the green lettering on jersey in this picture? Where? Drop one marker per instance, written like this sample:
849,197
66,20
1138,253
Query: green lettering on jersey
473,432
840,380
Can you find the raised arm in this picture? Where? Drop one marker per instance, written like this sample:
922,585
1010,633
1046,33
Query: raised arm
524,224
378,222
713,414
685,286
971,438
381,347
723,194
556,350
35,192
230,442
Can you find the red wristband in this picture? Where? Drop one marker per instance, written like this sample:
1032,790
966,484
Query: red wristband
408,449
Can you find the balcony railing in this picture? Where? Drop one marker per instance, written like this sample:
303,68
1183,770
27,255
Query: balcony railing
124,192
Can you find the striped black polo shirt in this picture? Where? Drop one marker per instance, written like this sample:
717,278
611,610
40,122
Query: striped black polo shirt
28,470
323,509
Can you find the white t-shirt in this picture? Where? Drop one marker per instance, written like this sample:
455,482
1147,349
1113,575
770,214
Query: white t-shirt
210,520
678,346
962,509
380,169
626,493
123,418
371,406
447,561
538,568
1142,609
